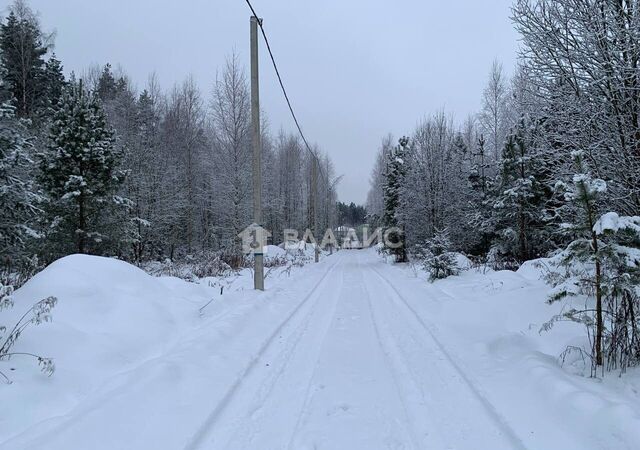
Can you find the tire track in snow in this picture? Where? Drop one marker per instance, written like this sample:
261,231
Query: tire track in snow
252,421
354,401
206,427
491,410
309,384
420,390
394,367
309,397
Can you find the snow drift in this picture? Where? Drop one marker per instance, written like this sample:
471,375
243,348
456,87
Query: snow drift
110,316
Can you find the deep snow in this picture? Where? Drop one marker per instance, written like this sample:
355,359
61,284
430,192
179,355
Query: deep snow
350,353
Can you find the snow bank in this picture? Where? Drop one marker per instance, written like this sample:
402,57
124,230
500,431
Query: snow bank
110,316
492,322
103,302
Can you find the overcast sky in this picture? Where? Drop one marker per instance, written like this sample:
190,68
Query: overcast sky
355,69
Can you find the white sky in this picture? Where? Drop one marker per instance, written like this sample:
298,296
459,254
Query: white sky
355,70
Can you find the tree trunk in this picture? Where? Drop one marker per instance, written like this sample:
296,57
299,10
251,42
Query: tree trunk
522,235
599,323
81,224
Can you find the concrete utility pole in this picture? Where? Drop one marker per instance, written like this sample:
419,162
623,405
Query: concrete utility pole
314,196
258,271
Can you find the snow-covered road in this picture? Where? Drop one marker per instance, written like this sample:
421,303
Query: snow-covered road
355,368
351,353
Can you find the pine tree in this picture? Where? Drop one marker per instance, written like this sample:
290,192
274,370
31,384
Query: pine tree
18,197
480,199
619,245
602,262
438,260
584,196
23,51
518,207
107,88
54,81
394,181
80,173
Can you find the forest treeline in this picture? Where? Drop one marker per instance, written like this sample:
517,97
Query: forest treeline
550,166
90,164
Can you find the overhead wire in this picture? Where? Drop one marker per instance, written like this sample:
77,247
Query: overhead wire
284,91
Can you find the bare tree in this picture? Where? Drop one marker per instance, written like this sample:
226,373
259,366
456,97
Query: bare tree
231,125
582,57
494,117
184,132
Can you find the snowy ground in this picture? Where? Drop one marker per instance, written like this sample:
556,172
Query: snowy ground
350,353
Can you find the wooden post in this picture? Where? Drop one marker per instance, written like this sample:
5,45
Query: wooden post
258,272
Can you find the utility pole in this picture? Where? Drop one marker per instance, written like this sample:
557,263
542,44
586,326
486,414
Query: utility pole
258,270
314,197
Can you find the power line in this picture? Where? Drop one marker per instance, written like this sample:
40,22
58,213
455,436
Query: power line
284,91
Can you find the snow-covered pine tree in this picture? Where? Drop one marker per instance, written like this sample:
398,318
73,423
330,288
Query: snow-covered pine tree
107,87
19,205
480,199
394,181
605,266
460,209
23,49
583,258
438,259
54,82
18,197
519,202
620,248
80,173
